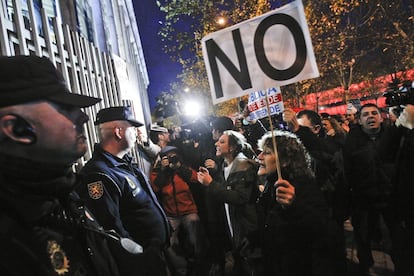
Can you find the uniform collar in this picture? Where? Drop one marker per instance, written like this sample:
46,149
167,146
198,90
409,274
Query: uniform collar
112,159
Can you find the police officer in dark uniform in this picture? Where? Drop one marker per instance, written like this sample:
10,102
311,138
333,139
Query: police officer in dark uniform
45,229
120,196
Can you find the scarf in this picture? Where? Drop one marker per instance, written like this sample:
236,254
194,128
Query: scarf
24,176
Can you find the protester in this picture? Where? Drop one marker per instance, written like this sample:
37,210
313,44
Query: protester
369,171
45,229
148,151
252,129
339,198
234,186
204,151
403,194
121,197
219,125
298,236
327,161
351,116
160,136
334,131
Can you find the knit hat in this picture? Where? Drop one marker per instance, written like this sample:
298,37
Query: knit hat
165,150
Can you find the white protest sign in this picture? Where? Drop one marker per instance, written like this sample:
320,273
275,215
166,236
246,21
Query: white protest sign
257,103
271,50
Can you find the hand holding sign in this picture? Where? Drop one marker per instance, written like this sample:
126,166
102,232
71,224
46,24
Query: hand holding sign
285,192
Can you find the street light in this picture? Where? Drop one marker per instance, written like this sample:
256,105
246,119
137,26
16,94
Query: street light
222,21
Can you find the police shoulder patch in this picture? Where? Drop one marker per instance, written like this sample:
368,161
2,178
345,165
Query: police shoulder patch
95,190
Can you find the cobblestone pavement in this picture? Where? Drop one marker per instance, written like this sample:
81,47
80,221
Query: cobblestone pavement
383,265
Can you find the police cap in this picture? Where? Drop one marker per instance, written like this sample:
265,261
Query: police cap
117,113
25,79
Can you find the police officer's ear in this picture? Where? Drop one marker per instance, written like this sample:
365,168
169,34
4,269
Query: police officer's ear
118,133
17,129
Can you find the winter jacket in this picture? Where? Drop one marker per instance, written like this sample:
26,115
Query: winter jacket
301,239
173,190
403,192
45,229
369,170
122,199
239,191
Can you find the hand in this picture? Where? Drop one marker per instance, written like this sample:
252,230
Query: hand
210,164
204,176
406,118
176,165
165,163
289,116
285,192
141,138
228,262
409,109
261,188
331,132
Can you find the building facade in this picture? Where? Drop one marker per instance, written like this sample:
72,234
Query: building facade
94,43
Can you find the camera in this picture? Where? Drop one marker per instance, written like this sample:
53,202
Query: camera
396,95
173,159
187,136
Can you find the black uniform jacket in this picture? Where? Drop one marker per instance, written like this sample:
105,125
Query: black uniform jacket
121,198
49,235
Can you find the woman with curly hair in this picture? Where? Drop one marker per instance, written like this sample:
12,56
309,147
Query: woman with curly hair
298,238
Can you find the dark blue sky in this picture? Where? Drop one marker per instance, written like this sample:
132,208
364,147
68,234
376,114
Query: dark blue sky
161,69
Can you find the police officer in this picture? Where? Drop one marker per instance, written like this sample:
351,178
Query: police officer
119,194
45,229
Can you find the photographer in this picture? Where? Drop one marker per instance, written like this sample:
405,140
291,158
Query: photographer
171,180
403,236
399,146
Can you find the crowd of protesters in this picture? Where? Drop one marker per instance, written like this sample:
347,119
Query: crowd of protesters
353,160
220,197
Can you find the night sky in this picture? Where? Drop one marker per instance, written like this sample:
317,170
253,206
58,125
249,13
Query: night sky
161,69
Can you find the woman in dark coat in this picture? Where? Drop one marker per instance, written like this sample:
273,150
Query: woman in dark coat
298,238
234,187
